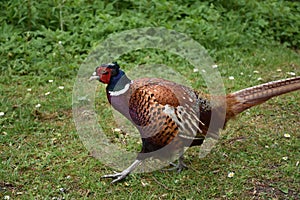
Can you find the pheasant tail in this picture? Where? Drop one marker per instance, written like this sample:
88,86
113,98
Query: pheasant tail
241,100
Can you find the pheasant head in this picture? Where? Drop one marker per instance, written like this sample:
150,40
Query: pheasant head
105,72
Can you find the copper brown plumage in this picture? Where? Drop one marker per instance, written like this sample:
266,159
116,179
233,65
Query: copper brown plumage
173,116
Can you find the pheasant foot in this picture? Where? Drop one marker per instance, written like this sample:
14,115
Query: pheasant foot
121,175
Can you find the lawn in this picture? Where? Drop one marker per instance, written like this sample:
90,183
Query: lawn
43,46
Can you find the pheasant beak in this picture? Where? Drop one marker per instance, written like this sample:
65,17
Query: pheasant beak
94,77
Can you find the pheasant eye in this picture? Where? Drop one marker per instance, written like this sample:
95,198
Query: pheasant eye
101,71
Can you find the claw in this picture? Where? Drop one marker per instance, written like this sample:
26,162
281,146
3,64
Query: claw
179,167
121,175
117,176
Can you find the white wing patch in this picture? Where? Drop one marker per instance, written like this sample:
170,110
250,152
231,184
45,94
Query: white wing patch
186,119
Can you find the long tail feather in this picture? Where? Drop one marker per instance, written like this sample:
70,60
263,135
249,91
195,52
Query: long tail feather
241,100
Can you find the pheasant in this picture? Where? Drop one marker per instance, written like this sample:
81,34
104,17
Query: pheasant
171,116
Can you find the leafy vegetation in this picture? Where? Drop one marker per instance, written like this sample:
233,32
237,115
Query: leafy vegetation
42,156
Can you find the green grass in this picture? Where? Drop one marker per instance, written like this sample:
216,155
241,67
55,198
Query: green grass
42,156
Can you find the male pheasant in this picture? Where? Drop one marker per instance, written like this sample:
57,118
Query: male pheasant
171,116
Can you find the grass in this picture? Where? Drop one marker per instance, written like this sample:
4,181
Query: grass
42,156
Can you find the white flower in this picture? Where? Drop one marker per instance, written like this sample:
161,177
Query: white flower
38,105
214,66
231,78
6,197
50,81
117,130
284,158
256,72
278,70
47,93
230,174
144,184
259,79
59,42
2,114
263,59
195,70
29,89
61,87
242,73
286,135
291,73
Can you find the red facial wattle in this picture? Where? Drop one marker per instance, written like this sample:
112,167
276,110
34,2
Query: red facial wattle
104,74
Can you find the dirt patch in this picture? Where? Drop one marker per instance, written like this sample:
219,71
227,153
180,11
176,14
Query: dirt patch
267,190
